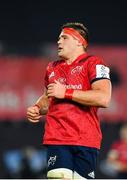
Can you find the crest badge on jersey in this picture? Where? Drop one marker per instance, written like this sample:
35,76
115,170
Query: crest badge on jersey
76,70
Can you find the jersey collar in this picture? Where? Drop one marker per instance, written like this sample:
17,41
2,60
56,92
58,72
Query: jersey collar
82,56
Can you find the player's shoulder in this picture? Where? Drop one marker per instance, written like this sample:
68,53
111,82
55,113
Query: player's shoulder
95,59
91,59
55,63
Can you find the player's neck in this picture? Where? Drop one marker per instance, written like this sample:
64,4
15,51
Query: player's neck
73,57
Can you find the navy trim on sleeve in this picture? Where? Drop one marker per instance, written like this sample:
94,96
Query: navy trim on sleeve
96,79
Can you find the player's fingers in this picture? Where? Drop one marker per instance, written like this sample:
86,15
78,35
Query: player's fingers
33,121
50,88
51,85
50,91
32,114
50,94
31,110
34,117
37,110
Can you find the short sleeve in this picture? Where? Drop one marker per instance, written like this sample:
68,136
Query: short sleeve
97,69
46,75
46,80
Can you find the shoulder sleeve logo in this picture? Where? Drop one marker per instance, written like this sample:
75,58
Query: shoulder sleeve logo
102,71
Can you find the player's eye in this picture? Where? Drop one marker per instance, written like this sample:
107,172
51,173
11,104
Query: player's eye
65,37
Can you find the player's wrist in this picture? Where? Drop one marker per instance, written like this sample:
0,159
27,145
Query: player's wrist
69,94
37,105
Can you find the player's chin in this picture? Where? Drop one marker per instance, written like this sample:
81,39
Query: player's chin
62,56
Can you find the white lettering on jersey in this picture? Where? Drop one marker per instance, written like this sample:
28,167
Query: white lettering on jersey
102,71
71,86
62,80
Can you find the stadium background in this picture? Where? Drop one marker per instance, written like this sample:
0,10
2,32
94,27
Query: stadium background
28,35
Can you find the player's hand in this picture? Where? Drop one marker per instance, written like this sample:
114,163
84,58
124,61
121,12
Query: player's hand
56,89
33,114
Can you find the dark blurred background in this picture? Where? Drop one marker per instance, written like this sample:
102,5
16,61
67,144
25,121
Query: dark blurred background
26,25
28,35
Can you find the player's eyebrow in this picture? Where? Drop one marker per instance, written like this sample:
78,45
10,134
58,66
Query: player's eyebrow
63,36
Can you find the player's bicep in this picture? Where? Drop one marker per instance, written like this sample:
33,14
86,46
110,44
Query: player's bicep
102,84
103,87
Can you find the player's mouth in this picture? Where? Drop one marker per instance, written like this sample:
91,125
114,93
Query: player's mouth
60,49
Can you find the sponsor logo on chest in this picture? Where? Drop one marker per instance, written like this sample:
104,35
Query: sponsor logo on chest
75,86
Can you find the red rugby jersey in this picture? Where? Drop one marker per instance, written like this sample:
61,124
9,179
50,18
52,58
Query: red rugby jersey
68,122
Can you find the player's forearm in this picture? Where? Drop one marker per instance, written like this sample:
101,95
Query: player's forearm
42,102
91,98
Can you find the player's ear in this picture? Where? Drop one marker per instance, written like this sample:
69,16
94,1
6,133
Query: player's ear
79,43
